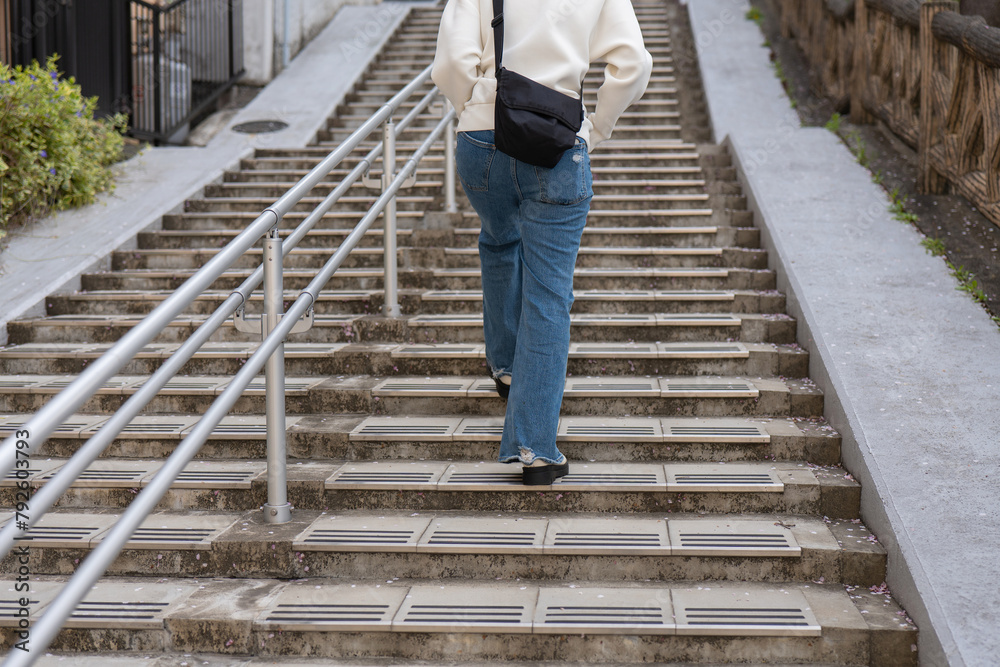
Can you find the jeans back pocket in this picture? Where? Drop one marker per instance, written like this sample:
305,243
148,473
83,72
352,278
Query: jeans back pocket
473,157
570,181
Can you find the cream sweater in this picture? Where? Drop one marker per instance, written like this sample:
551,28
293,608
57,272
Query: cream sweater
550,41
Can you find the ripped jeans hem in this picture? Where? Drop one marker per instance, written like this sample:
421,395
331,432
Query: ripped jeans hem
527,457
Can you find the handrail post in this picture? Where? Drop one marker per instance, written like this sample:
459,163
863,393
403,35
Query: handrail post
391,284
277,509
449,163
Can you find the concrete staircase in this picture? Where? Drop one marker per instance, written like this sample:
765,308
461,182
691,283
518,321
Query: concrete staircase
705,520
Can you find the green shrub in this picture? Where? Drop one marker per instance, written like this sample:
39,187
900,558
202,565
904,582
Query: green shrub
53,153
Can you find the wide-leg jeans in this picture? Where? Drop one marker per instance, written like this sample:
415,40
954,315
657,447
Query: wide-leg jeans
532,221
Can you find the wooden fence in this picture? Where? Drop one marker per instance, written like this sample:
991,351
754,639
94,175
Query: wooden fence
929,73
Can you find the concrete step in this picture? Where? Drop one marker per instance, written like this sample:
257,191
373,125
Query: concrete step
360,203
431,302
522,546
412,201
600,217
262,170
668,147
657,131
680,396
587,278
791,621
458,328
627,237
665,113
424,186
592,256
407,485
162,659
301,161
303,359
720,278
316,257
623,302
194,230
362,104
361,437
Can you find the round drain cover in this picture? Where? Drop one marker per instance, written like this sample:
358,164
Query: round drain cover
260,126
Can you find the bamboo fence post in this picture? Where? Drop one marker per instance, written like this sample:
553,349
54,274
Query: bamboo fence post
929,181
859,75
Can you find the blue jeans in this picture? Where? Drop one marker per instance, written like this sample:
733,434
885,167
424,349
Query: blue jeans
532,221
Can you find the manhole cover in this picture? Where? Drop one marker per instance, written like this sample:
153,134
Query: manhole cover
260,126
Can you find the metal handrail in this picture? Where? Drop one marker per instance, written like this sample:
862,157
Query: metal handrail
55,412
46,497
270,350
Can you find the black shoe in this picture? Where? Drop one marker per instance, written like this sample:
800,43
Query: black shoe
543,475
502,388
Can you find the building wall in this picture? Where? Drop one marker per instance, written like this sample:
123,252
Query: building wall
264,30
258,41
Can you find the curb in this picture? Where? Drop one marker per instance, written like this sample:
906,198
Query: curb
909,366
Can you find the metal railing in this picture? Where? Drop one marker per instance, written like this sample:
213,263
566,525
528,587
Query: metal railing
273,325
184,55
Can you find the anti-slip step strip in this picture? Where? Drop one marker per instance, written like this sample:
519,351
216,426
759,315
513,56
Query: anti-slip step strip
531,609
696,272
599,295
131,474
683,350
569,534
192,321
213,350
747,611
592,319
600,387
562,536
622,231
493,477
626,250
127,385
571,429
235,427
439,476
242,350
216,295
158,531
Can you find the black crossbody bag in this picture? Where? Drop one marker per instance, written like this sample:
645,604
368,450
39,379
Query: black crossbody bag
532,123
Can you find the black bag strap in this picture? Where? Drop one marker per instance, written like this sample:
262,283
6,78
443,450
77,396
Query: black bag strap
497,24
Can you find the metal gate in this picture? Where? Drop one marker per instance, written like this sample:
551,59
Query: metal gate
162,64
184,55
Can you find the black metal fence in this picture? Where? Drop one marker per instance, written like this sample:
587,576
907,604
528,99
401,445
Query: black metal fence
184,55
163,63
